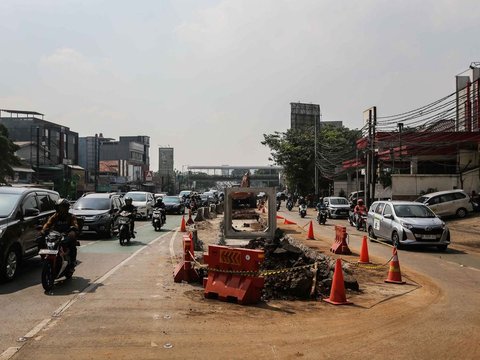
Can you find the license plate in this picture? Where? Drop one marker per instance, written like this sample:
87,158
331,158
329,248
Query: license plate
85,227
48,252
429,237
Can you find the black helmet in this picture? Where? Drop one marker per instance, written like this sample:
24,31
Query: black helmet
360,202
62,204
128,200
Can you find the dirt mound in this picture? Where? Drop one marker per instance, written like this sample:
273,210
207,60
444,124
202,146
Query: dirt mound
293,271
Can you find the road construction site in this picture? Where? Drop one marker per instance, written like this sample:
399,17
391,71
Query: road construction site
136,310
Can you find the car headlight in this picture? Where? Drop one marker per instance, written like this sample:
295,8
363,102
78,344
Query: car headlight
406,225
101,217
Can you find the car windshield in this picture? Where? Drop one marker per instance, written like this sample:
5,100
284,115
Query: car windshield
413,211
7,204
171,200
137,196
92,203
421,199
339,201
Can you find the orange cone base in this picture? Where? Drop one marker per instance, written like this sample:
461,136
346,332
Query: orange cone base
346,302
395,282
288,222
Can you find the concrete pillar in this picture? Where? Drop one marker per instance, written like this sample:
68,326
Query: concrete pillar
414,165
199,215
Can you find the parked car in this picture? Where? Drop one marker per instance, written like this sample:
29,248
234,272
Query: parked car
447,203
173,205
337,207
144,202
96,213
22,210
407,223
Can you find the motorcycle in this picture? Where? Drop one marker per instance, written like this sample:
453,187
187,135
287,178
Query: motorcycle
123,223
157,219
55,256
289,205
361,224
302,210
322,216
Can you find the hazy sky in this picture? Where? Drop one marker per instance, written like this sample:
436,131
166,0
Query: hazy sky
210,77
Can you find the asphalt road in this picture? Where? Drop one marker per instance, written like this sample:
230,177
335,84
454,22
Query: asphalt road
439,320
23,302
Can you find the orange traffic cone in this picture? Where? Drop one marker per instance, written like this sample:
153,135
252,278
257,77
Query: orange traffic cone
183,228
280,217
394,274
337,292
310,235
288,222
364,259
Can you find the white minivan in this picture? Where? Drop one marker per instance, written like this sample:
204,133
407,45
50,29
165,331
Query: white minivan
447,203
144,202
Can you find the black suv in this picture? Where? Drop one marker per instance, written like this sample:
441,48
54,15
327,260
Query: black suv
22,211
96,212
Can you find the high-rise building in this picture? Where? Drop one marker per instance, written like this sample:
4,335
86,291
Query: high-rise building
166,171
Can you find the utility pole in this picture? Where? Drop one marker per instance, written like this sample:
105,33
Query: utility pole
38,155
96,162
370,116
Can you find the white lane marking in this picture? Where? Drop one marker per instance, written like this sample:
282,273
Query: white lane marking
172,251
7,354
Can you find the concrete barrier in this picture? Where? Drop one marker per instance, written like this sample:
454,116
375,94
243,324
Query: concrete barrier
199,216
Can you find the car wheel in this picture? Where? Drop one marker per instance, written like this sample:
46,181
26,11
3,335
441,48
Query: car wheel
10,265
396,239
461,213
371,234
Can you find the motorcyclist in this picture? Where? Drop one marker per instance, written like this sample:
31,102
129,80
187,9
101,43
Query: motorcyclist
301,201
133,212
159,204
321,205
64,222
359,209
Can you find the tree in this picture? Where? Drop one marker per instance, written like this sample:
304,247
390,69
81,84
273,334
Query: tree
295,151
8,158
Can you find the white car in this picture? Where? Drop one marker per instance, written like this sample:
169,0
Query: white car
407,223
337,207
448,203
144,202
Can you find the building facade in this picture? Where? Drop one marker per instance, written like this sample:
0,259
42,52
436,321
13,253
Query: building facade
166,172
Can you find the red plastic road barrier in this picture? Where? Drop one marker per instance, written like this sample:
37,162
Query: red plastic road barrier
227,280
340,245
184,270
